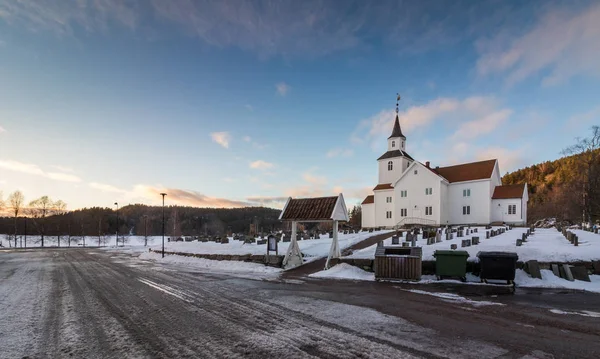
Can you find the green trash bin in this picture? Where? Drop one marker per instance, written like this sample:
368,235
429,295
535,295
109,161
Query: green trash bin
451,264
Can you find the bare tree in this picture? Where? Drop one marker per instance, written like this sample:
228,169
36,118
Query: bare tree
16,200
39,209
588,151
59,207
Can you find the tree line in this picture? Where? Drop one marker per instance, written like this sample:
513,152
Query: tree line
567,188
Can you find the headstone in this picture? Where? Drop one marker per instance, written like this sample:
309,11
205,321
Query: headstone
596,230
475,240
466,243
519,242
430,241
475,230
224,240
331,233
524,237
453,246
575,240
596,266
287,238
487,234
533,268
370,231
555,269
395,240
448,236
580,273
405,244
565,272
409,236
260,242
380,244
438,237
400,234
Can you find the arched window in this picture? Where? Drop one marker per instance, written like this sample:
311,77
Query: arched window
390,166
393,144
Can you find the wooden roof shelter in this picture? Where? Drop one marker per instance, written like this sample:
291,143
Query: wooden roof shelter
320,209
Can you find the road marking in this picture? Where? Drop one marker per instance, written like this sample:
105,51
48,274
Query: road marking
166,289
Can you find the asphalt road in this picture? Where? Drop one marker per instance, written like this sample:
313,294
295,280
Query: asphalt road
85,303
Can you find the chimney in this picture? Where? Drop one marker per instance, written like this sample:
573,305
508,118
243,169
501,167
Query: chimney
427,164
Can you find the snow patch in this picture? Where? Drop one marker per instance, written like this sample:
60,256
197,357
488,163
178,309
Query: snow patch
344,271
584,313
454,298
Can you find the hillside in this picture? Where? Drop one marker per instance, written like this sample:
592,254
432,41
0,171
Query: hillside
555,188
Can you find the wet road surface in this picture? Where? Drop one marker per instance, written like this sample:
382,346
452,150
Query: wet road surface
84,303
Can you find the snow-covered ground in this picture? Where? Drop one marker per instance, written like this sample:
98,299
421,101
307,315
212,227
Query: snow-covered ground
310,248
546,245
212,265
522,279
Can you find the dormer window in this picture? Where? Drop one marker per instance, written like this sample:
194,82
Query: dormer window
390,165
393,144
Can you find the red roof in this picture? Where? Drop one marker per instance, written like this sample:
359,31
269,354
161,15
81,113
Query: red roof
309,209
370,199
467,171
509,191
383,186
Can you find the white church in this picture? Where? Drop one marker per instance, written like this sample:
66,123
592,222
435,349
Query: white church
410,192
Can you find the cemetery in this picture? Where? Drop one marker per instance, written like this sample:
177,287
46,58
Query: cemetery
500,254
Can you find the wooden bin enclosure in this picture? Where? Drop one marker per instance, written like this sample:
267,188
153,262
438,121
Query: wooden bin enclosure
397,263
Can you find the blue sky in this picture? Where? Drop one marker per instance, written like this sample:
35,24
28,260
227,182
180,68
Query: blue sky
232,103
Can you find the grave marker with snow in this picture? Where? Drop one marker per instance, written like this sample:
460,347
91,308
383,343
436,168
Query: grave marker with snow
321,209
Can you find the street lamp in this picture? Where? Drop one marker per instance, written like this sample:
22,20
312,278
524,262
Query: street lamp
163,224
117,238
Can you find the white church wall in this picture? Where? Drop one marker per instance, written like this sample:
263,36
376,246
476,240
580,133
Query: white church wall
386,176
500,211
368,215
444,219
479,202
382,206
416,200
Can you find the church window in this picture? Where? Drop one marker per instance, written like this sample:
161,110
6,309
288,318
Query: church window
466,210
512,209
416,171
388,214
466,193
390,166
428,191
429,211
393,144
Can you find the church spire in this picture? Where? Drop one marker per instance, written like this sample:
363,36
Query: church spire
397,131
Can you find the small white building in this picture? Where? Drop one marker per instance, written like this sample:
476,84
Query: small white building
410,192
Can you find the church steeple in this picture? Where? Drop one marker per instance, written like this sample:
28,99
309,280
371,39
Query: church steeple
397,131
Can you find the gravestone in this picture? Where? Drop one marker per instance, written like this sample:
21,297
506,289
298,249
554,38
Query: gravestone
287,238
453,246
430,241
555,270
476,230
487,234
438,237
405,244
224,240
596,230
370,231
409,236
565,272
425,235
575,240
400,234
475,240
466,243
331,233
260,242
380,244
519,242
524,237
345,232
395,240
580,273
533,268
448,236
596,266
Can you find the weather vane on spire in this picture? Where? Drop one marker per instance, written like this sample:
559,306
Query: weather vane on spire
397,100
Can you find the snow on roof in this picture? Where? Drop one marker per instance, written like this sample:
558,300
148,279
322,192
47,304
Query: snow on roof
509,191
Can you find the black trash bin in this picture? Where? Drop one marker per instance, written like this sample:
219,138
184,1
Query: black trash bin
498,266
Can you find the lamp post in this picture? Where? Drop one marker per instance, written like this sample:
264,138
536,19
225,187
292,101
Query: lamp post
117,238
163,224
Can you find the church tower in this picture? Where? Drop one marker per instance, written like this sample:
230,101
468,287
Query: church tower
395,161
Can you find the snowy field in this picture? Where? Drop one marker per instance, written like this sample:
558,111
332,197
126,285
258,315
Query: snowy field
315,248
546,245
522,279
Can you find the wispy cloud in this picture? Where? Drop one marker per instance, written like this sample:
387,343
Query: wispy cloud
249,107
563,43
222,138
35,170
261,165
63,168
482,126
2,130
187,197
340,152
476,112
282,88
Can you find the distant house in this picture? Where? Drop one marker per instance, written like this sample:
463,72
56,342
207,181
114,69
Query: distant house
410,192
